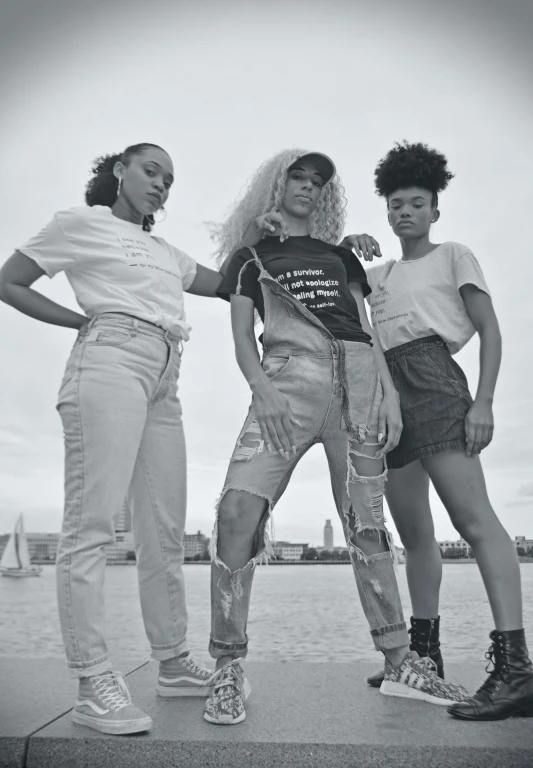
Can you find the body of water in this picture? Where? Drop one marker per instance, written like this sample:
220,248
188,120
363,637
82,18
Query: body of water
298,613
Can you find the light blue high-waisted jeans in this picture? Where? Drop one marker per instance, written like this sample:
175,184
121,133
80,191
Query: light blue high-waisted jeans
123,439
334,391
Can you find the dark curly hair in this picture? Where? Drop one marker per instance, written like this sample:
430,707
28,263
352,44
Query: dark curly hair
412,165
102,188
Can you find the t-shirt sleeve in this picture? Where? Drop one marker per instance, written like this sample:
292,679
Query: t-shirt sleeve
187,267
50,248
354,270
240,276
467,270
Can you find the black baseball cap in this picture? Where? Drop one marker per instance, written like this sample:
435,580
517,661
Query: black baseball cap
324,164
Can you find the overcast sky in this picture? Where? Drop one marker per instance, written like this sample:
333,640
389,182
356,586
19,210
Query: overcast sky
222,86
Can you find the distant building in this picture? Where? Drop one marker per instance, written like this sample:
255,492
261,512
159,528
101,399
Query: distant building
285,550
521,542
328,536
461,544
195,544
118,552
42,546
124,519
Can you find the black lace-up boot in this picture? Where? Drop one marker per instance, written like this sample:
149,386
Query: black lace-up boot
508,690
425,641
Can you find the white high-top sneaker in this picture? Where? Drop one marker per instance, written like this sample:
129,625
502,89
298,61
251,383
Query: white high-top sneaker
182,676
104,703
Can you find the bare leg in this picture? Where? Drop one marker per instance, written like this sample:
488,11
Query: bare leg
460,483
407,494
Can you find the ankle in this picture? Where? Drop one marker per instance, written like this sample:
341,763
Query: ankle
87,679
223,660
175,661
396,656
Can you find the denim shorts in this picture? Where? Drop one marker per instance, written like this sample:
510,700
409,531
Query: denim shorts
434,400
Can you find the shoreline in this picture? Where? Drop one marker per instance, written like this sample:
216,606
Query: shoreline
445,561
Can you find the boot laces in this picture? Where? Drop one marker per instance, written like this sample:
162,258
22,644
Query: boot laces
498,672
420,639
112,690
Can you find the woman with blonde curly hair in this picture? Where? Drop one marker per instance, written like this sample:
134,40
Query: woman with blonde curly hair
322,379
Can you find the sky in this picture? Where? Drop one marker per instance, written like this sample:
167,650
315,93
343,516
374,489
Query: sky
222,86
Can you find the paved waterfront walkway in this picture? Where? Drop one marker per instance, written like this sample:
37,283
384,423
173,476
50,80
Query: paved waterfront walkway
300,715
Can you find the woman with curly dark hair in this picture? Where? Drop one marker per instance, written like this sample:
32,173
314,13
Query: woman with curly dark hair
425,307
121,418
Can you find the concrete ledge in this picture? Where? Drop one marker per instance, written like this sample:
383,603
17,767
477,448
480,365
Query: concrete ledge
299,714
33,694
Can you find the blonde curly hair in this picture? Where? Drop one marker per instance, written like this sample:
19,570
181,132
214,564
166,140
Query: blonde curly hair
265,192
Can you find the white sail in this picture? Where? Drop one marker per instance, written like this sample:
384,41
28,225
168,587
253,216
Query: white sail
16,560
23,551
10,556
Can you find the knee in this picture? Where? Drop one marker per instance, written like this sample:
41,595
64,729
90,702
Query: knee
471,531
239,515
415,538
371,541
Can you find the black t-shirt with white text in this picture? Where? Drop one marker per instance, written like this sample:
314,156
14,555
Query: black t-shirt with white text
314,272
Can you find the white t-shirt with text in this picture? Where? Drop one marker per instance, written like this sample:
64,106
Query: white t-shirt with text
115,266
413,299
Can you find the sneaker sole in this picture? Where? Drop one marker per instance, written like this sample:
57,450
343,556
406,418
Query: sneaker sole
227,719
117,728
201,691
401,691
515,713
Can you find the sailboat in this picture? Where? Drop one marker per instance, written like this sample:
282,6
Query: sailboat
15,559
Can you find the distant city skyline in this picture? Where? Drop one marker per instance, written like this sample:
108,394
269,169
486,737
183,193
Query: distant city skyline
198,543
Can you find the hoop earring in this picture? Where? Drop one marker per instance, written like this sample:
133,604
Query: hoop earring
163,210
119,186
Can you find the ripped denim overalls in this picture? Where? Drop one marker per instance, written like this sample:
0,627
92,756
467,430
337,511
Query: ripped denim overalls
334,391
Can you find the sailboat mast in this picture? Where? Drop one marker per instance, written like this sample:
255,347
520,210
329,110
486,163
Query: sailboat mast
17,528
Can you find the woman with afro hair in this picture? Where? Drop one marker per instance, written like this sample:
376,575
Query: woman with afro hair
321,380
121,418
425,307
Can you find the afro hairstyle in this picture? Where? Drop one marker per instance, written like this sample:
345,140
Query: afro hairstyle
412,165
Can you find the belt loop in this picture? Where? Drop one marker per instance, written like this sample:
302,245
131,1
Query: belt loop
91,322
135,324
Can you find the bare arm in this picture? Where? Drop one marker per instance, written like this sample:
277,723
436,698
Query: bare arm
206,282
390,418
16,276
270,223
272,409
480,421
